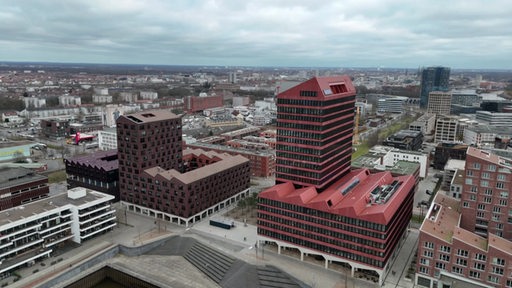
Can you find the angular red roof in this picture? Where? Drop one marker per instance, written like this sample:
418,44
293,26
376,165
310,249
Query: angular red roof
350,196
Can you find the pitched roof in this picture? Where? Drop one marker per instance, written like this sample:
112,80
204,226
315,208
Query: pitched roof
104,160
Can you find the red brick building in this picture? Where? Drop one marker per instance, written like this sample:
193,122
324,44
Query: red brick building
468,242
318,206
196,104
315,122
262,163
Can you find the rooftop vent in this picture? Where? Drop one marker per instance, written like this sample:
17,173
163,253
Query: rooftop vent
77,193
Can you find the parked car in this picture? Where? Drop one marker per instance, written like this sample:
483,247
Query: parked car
428,192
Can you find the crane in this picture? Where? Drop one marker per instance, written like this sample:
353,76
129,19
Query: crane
355,138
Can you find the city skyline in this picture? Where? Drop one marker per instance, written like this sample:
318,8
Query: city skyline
400,34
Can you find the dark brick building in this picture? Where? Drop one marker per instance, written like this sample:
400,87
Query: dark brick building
448,150
97,171
20,185
158,179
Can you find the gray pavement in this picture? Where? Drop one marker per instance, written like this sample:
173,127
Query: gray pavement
238,242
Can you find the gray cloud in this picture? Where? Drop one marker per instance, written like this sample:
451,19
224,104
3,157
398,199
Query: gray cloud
392,33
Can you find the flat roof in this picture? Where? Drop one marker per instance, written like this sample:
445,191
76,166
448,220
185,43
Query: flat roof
16,143
150,116
224,161
455,164
17,176
442,218
40,206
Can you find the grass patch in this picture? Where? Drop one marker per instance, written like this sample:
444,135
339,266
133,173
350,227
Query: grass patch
417,218
361,150
57,176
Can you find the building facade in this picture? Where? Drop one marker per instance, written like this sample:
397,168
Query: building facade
318,205
433,79
439,103
97,171
467,242
359,227
158,179
36,231
405,140
107,139
425,124
447,129
315,121
19,186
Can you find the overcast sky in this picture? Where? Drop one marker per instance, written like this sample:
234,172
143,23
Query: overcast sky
318,33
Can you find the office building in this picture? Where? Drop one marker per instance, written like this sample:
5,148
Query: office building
439,103
503,119
433,79
467,242
20,185
391,104
315,122
318,206
158,179
447,129
425,124
36,232
448,150
405,140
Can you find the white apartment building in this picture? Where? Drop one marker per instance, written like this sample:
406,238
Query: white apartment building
389,157
33,231
69,100
34,102
107,139
99,99
148,95
425,124
485,134
446,129
439,103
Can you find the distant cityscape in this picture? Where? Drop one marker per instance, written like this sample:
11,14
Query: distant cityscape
385,177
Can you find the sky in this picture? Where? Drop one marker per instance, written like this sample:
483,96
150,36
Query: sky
292,33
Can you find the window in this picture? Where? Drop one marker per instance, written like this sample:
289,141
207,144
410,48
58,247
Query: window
423,270
440,265
497,270
445,249
424,261
479,266
493,279
429,245
484,183
491,167
474,274
474,189
481,207
500,185
444,257
504,194
503,202
428,253
476,165
463,253
501,177
488,192
457,270
462,262
498,261
496,209
486,175
469,173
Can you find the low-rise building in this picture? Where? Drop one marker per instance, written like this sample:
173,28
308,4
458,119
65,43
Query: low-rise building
425,124
405,140
36,231
97,171
107,139
21,185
